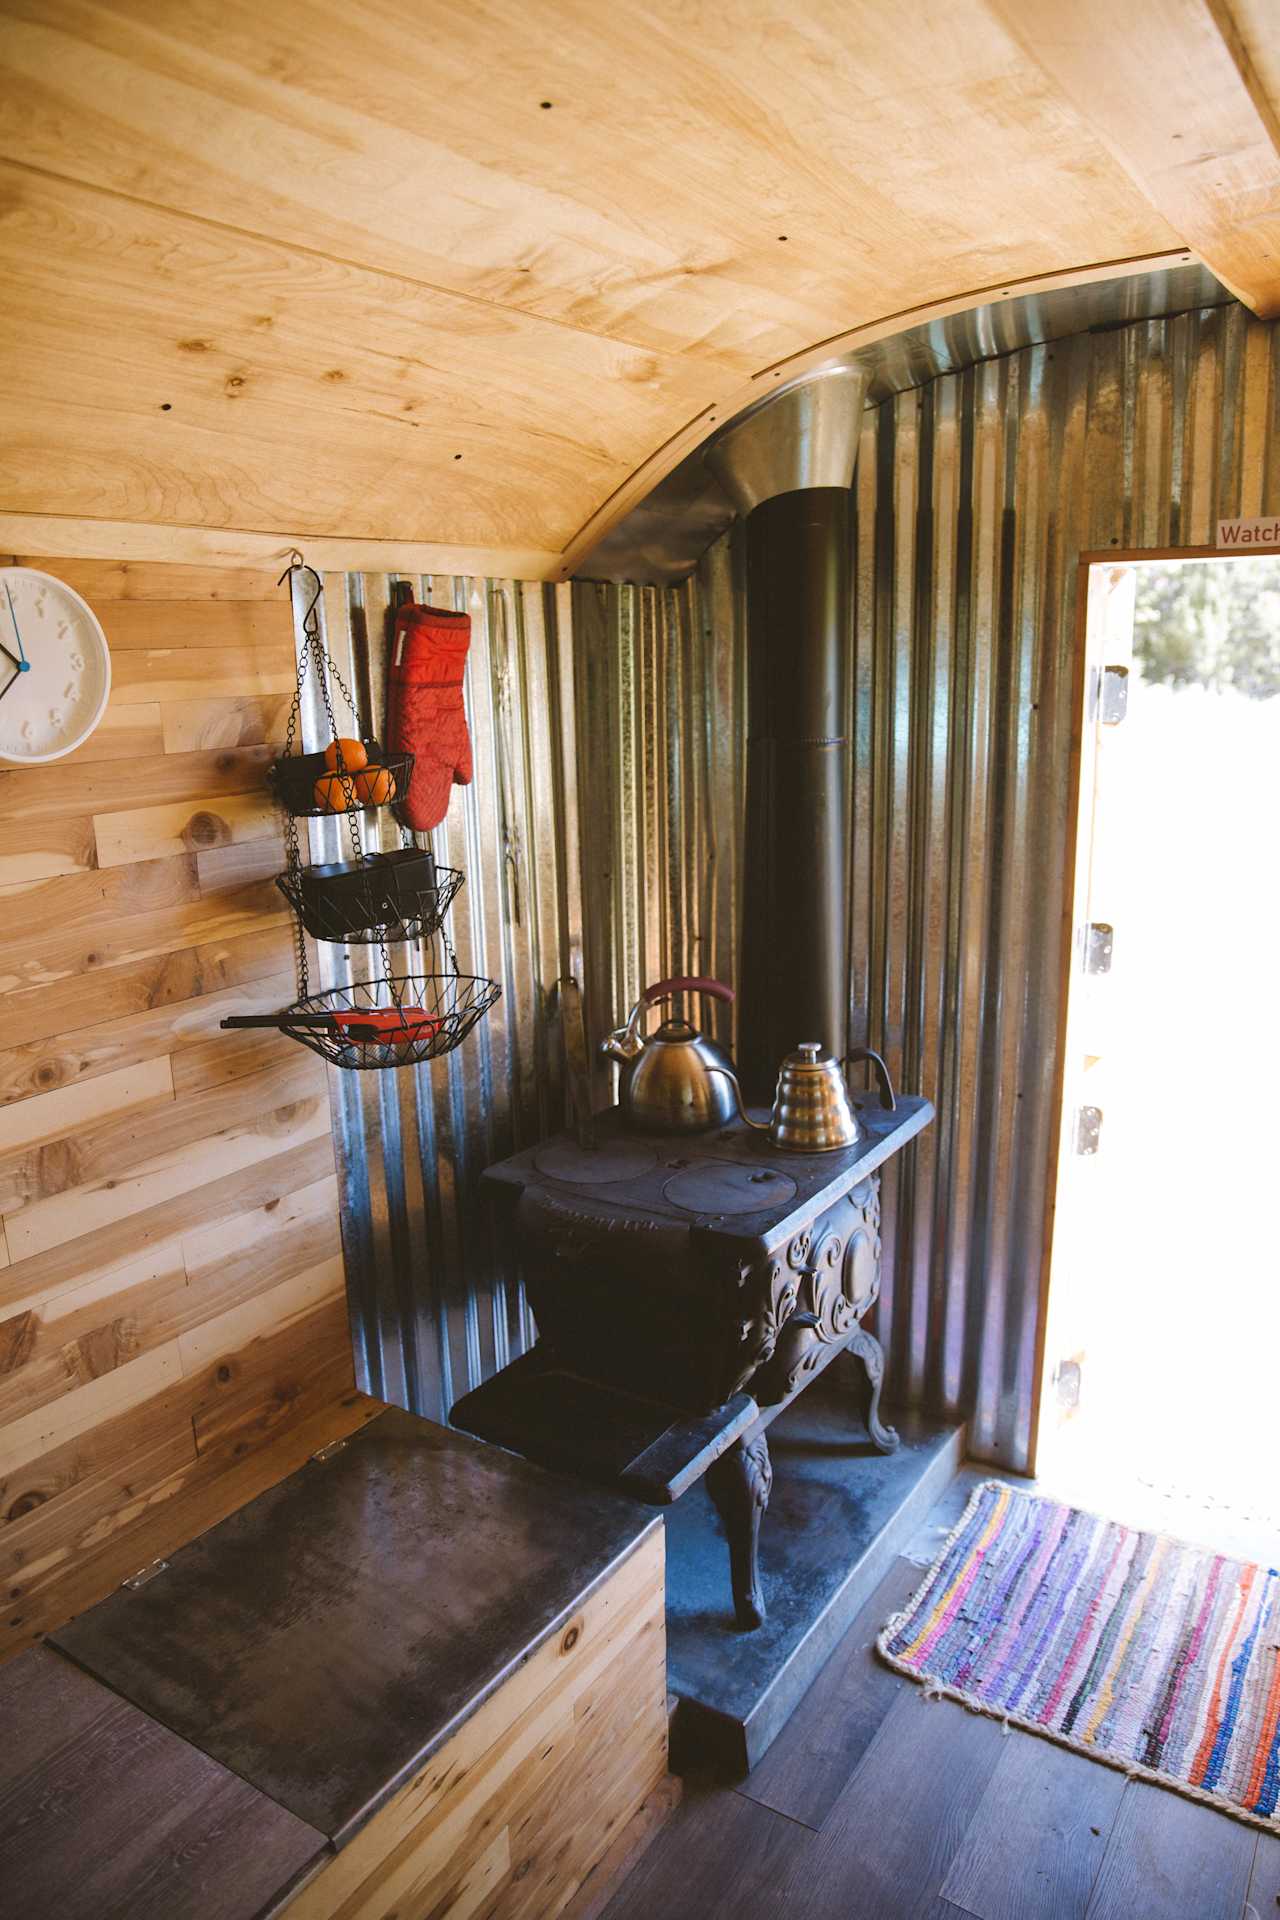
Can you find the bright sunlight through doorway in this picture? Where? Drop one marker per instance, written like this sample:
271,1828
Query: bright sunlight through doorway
1160,1399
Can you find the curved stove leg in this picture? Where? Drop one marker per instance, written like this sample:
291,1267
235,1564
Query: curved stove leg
739,1483
871,1354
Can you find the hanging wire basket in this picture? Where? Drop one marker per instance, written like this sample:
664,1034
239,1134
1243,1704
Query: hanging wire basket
420,1017
398,1020
310,787
384,897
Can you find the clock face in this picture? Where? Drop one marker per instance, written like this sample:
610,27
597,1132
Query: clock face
55,670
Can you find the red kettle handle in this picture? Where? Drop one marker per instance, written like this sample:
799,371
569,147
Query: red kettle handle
686,984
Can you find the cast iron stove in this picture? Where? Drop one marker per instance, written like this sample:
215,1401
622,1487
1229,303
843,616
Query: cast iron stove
686,1289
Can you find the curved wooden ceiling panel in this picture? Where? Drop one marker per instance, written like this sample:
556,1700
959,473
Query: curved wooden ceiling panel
325,270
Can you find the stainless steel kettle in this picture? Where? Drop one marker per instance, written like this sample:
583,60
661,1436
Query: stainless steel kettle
676,1081
812,1111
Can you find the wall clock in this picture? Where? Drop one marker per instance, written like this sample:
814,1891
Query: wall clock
55,668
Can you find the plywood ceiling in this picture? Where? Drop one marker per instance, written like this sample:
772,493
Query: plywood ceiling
462,279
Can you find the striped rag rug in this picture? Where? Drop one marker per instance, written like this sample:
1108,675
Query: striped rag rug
1154,1656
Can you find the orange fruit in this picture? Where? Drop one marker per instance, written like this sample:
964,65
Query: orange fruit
375,786
331,790
353,755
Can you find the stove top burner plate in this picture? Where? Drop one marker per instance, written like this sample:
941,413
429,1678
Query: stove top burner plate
594,1166
729,1186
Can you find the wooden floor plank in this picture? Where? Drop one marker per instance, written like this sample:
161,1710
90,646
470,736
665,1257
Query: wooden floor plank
47,1704
1038,1838
111,1814
889,1841
1264,1886
720,1857
811,1761
1171,1859
930,1813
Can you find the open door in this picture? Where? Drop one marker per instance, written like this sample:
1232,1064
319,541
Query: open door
1078,1277
1164,1298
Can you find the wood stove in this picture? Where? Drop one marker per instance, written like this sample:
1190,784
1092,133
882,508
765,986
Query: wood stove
688,1287
686,1290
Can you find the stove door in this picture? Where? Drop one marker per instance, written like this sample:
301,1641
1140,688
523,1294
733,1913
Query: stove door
624,1299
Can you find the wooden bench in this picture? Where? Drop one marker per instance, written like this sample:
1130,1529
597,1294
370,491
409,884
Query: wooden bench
420,1678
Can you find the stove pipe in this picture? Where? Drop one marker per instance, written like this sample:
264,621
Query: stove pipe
788,467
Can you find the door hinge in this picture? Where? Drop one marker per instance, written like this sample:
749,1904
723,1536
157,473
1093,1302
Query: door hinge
1088,1129
145,1574
1099,940
327,1453
1066,1382
1115,695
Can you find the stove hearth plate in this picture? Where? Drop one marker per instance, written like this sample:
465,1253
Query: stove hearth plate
594,1166
727,1186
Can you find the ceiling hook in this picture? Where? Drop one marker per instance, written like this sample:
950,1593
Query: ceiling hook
297,564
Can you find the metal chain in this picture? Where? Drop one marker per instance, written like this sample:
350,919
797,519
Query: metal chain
314,652
293,866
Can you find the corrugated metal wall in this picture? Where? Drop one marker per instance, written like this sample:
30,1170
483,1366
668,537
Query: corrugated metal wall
601,837
607,731
433,1311
976,495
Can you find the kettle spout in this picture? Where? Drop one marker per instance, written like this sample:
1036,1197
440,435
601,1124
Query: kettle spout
758,1126
625,1044
622,1046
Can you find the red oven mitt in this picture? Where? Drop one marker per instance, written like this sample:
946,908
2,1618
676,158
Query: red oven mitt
425,713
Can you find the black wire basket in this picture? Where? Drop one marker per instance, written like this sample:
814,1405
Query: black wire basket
436,1012
294,777
383,897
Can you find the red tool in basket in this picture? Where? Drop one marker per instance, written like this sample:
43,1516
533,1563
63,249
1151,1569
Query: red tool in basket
363,1027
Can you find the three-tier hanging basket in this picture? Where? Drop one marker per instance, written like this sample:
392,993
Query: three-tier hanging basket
397,1019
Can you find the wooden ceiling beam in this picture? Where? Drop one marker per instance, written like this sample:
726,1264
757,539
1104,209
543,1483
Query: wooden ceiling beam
1170,90
460,279
55,536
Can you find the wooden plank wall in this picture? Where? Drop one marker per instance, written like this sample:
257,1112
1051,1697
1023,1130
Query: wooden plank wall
172,1322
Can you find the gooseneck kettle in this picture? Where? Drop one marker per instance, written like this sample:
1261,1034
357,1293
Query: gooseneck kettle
812,1111
676,1080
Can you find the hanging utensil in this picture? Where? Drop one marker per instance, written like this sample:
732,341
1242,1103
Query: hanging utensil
578,1072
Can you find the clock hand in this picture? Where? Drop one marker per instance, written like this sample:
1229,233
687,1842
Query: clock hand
17,669
24,665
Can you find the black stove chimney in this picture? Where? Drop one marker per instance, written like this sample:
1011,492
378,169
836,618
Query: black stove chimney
789,468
